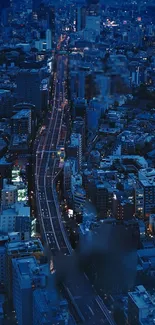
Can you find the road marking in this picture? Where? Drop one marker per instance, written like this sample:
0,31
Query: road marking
90,310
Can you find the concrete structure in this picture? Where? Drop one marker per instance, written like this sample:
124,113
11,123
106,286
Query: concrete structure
16,248
48,39
47,310
93,22
141,308
79,198
27,276
21,122
147,185
8,195
28,87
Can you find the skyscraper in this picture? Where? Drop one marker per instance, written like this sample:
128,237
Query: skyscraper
5,4
27,276
35,4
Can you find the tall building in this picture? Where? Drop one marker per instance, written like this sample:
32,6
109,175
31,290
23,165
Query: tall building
123,209
79,127
48,39
3,241
79,198
141,308
146,190
6,102
47,310
9,195
93,23
79,108
29,87
28,275
5,170
15,248
36,4
16,218
21,122
5,4
51,23
76,143
67,176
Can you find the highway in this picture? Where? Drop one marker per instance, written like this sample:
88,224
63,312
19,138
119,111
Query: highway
89,307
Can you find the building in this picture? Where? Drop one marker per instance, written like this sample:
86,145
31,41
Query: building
21,122
79,199
67,176
76,141
48,39
47,310
152,223
79,127
93,23
5,170
5,4
51,23
101,195
16,218
79,108
3,241
141,308
28,107
76,180
123,208
15,248
8,195
29,87
36,4
6,102
28,275
146,188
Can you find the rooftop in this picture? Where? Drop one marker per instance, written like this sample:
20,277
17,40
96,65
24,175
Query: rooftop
24,113
27,270
141,297
25,247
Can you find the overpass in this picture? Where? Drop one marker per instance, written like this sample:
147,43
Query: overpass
88,307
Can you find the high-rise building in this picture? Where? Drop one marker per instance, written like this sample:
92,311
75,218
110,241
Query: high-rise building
51,23
140,307
79,127
5,170
48,39
29,87
47,310
16,218
5,4
15,248
28,275
8,195
76,142
36,4
146,190
3,279
79,198
67,175
93,23
123,209
79,108
21,122
6,102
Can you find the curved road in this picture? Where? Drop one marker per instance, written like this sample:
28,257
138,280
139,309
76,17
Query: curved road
90,308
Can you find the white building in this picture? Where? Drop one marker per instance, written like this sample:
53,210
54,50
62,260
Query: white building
8,195
48,39
93,22
16,218
76,140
